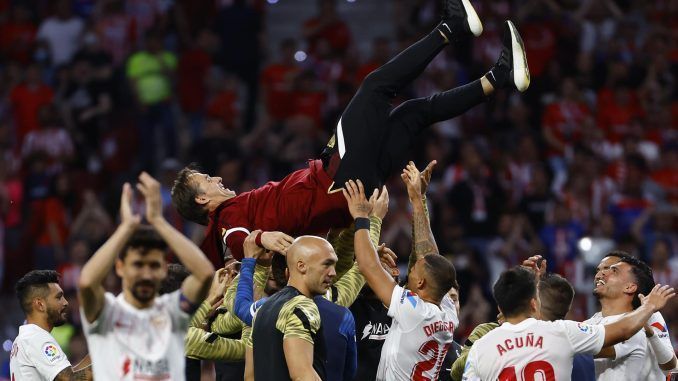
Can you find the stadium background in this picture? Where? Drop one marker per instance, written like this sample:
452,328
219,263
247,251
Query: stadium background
585,161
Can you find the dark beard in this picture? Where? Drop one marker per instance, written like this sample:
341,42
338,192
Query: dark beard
139,295
55,318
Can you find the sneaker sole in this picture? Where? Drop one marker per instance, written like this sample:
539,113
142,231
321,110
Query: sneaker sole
521,73
472,18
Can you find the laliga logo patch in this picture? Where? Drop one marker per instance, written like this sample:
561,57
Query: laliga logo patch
51,351
584,327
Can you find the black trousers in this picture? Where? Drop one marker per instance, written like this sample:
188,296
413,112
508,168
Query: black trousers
373,138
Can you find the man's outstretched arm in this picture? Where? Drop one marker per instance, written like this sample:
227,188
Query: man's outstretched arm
423,242
632,322
90,285
195,287
379,280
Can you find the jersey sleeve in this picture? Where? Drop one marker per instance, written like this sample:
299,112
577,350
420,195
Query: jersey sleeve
346,290
299,318
102,324
46,355
177,308
471,368
584,338
660,328
625,348
406,307
204,345
233,239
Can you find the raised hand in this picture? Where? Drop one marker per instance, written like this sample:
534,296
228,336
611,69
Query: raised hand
413,181
426,176
127,217
250,247
658,297
358,206
218,287
379,202
276,241
537,264
388,259
150,188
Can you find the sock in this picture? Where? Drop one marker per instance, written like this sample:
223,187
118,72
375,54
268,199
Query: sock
499,76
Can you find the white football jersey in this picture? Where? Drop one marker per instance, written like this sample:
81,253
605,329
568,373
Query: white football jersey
419,338
629,355
651,370
127,344
36,356
531,350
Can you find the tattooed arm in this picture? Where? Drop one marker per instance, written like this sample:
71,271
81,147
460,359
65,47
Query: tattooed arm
69,374
423,242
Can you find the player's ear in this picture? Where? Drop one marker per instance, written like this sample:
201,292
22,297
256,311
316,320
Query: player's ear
301,267
201,199
39,304
118,267
631,288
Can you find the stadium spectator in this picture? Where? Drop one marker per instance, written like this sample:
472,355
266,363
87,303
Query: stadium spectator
151,72
61,33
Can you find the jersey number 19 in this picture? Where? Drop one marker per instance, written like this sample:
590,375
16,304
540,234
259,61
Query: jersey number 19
530,372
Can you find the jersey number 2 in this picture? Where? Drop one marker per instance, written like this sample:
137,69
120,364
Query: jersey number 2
435,353
530,371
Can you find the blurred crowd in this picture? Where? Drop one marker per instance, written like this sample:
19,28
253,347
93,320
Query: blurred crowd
94,91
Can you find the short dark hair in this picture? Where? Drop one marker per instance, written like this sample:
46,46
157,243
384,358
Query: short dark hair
555,295
442,273
176,274
184,192
278,267
144,239
643,275
514,289
34,283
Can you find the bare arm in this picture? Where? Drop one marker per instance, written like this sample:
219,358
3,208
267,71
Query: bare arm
379,280
69,374
299,357
195,287
422,237
627,326
249,364
90,286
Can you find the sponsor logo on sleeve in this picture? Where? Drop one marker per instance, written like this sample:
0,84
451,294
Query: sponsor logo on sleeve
585,328
663,331
410,296
52,352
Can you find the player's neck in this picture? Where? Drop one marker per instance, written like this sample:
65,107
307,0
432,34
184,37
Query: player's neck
218,200
518,319
40,322
614,306
299,285
134,302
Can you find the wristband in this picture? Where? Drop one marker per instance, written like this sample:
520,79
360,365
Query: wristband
362,223
257,240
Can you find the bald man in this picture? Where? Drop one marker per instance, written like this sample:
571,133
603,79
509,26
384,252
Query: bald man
286,329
